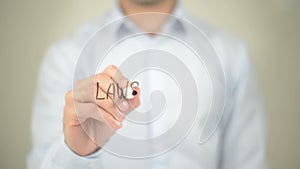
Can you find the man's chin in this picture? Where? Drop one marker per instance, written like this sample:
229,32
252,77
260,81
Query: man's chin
147,2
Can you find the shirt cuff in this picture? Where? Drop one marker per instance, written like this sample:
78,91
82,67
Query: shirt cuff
62,156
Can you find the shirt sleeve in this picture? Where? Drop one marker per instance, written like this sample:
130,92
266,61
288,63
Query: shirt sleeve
244,123
49,149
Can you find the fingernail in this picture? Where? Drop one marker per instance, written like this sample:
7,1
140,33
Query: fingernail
125,104
118,124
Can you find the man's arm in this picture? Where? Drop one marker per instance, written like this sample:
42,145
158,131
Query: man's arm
49,148
59,139
244,125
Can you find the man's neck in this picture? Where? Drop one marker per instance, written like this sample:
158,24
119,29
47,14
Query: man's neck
129,7
151,17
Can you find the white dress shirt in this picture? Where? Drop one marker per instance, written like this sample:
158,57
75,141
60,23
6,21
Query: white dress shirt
238,143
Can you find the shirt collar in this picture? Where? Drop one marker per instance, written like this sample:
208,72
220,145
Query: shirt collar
173,24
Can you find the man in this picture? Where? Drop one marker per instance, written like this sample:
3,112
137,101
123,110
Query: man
239,141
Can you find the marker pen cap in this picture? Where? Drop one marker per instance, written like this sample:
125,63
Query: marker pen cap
129,93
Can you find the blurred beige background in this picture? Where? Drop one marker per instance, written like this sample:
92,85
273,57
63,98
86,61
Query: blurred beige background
270,27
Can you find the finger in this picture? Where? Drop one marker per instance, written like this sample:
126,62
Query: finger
127,105
135,102
116,75
90,110
122,82
90,92
101,98
112,71
84,82
108,103
111,121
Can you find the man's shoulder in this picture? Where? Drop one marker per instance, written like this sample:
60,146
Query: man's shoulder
231,50
214,33
83,33
69,46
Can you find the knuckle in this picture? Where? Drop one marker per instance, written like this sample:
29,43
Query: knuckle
114,126
69,96
78,83
109,121
112,69
98,77
106,104
68,111
118,115
101,77
111,124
